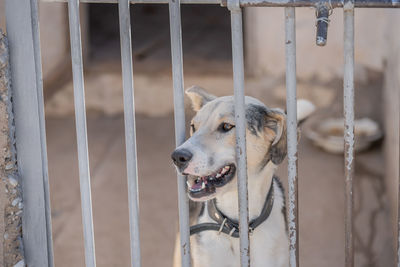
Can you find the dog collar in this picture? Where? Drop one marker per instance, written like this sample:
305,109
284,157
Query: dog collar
231,227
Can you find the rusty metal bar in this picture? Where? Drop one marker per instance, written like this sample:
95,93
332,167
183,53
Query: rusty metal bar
291,106
348,87
179,116
269,3
314,3
130,130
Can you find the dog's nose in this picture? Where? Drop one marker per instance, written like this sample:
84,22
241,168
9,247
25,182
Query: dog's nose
181,157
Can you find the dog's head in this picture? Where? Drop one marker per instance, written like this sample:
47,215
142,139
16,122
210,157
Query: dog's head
208,156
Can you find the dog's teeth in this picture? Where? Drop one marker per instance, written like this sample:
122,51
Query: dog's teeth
203,185
218,175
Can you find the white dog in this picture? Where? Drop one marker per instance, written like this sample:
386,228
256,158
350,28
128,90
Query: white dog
208,160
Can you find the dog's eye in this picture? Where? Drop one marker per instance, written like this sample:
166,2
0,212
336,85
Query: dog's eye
193,128
225,127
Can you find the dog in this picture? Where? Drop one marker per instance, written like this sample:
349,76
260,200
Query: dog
208,160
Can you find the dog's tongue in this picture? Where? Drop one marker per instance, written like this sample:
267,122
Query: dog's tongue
196,186
199,185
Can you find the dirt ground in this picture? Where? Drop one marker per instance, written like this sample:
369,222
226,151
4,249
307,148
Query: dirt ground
321,197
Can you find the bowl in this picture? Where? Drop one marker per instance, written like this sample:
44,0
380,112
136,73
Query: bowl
327,133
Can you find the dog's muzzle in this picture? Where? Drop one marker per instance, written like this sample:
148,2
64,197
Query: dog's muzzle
201,188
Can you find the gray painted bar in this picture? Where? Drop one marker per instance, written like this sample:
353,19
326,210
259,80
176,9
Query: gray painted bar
291,106
81,131
130,130
240,128
179,116
39,88
348,87
28,126
23,34
266,3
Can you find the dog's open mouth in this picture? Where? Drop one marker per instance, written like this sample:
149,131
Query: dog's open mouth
203,186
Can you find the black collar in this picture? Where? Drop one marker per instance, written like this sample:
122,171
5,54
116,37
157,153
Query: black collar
231,227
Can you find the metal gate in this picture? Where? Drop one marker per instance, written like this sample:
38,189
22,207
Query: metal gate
23,34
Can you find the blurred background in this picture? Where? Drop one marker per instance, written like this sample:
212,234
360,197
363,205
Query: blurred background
207,63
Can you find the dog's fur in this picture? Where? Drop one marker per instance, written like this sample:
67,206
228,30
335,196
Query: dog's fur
212,149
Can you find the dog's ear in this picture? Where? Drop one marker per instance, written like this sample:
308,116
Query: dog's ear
199,97
276,121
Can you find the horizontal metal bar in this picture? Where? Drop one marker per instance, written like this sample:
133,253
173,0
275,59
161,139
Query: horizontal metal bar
270,3
313,3
142,1
81,131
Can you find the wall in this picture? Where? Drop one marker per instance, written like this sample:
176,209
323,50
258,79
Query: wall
2,15
265,54
377,48
392,111
53,36
11,253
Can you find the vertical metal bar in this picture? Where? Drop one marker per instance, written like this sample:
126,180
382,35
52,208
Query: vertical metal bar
81,131
130,129
348,86
240,121
39,88
179,116
398,204
28,131
398,215
291,105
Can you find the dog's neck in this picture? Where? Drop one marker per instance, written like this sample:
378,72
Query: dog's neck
258,187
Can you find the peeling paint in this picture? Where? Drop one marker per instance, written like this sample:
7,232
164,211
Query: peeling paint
291,124
348,105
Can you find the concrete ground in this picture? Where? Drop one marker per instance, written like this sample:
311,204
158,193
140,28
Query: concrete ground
321,197
321,182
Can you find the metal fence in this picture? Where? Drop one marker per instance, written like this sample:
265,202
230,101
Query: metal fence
23,33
